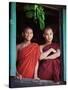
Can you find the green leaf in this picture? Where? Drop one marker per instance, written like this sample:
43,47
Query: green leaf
36,12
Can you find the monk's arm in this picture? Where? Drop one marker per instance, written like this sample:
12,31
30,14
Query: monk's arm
54,56
17,49
16,59
46,53
16,53
19,76
36,71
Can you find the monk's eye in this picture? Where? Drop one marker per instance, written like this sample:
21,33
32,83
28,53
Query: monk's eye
51,34
46,34
31,33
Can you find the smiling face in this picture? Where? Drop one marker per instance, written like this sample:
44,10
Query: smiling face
48,35
28,34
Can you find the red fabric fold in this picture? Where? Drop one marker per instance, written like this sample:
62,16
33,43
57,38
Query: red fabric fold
50,69
27,59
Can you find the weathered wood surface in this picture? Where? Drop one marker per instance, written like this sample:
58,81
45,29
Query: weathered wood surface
14,82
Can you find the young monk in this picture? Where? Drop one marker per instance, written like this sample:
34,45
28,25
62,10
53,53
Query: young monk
28,54
49,69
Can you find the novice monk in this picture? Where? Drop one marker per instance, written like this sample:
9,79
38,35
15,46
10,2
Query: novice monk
49,69
28,54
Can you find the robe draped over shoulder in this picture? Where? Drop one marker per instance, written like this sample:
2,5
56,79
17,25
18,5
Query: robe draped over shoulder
27,59
50,69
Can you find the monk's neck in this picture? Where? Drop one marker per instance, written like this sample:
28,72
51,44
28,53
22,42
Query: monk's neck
27,42
48,43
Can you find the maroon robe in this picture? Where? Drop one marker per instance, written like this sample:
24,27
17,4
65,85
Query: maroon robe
50,69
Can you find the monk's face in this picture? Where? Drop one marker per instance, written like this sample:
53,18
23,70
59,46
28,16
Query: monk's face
48,35
28,34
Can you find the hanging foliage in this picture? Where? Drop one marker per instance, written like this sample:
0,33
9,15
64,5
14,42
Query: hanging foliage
36,12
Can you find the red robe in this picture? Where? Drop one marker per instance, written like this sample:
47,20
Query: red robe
27,59
50,69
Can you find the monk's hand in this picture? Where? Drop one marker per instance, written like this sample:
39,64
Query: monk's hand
53,50
19,76
37,78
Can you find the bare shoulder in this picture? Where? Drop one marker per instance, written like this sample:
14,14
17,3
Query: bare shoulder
18,46
41,48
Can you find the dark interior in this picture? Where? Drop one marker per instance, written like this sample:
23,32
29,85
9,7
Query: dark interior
51,19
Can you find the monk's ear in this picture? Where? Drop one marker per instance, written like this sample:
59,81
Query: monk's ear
22,34
43,35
